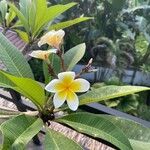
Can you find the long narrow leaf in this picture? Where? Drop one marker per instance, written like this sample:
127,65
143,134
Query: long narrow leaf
19,131
138,134
3,9
5,82
27,87
57,141
23,35
32,15
41,10
50,14
21,17
97,127
109,92
10,17
14,59
69,23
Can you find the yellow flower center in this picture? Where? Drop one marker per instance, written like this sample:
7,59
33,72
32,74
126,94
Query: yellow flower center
54,40
67,85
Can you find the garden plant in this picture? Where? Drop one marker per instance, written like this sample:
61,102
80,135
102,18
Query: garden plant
118,39
64,91
62,86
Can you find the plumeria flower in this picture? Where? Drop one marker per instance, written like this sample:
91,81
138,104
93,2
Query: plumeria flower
42,54
53,38
65,88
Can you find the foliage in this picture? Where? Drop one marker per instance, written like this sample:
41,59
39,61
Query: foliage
18,137
7,16
31,18
131,132
124,23
23,126
52,141
30,123
12,57
95,128
144,112
28,21
131,104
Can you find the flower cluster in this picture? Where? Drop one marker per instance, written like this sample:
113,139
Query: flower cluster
53,39
66,84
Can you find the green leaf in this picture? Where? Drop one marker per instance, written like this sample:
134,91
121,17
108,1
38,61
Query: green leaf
41,10
24,6
5,82
3,9
69,23
16,25
50,14
109,92
23,35
27,87
138,145
56,63
73,56
97,127
14,59
35,15
32,15
10,17
21,17
19,131
47,77
57,141
138,134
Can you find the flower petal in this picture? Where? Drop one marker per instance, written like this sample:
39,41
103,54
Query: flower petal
42,42
50,33
42,54
66,77
72,101
53,38
80,85
36,53
54,86
59,99
52,50
60,33
45,37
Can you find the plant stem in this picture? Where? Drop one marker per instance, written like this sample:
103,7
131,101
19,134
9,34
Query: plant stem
85,69
51,70
49,101
60,54
62,63
31,113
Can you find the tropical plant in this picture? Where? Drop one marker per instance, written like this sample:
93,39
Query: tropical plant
124,23
106,21
128,104
7,16
37,17
23,126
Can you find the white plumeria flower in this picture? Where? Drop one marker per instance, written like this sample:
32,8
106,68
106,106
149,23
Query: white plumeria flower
53,38
65,88
42,54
